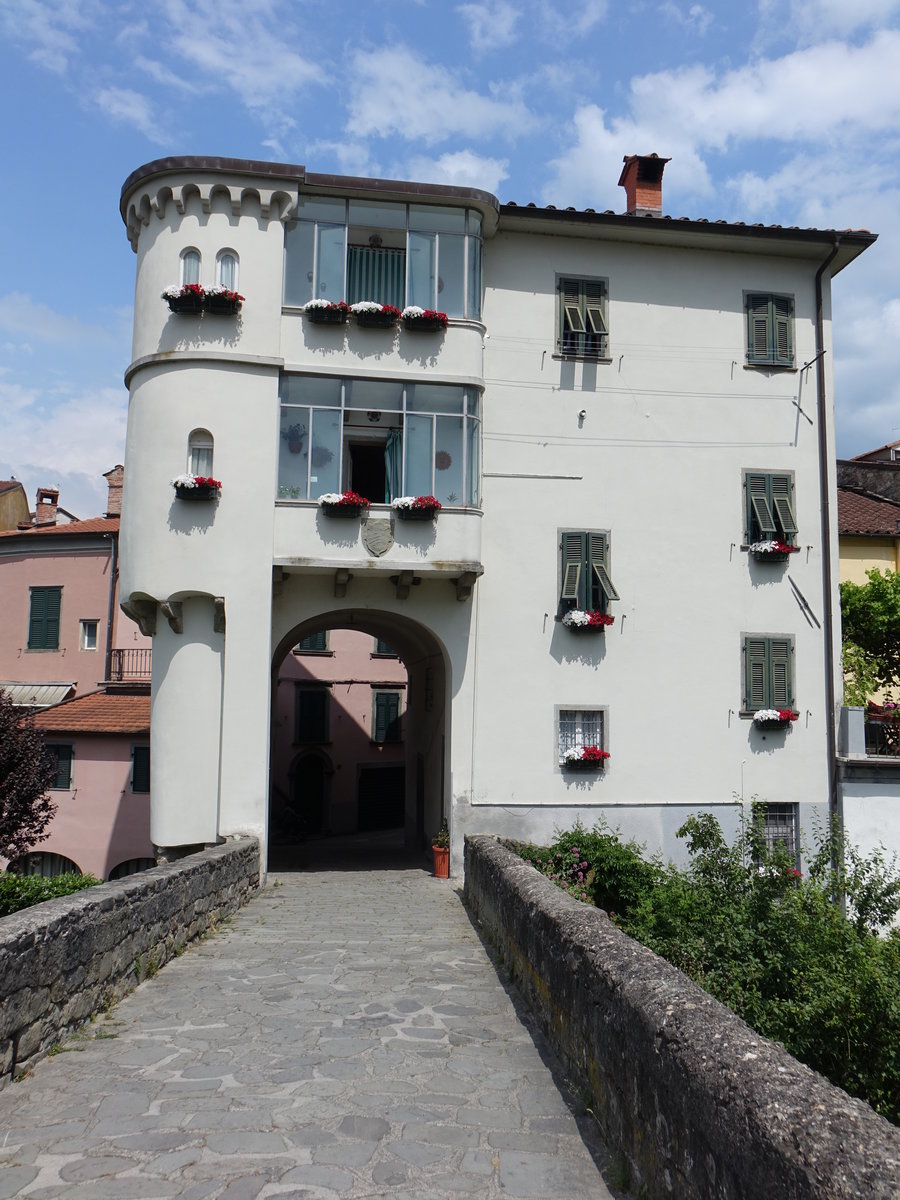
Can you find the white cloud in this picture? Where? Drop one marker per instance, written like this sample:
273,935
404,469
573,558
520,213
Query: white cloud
19,314
427,102
131,108
50,27
463,168
491,26
813,20
696,19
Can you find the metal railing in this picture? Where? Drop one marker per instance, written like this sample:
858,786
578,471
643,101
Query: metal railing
883,736
130,666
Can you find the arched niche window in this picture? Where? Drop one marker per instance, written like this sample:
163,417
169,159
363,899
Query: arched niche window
190,267
200,453
227,269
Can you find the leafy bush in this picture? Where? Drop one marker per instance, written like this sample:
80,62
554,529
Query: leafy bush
774,946
21,891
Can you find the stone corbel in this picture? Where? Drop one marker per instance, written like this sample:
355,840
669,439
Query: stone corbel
403,582
142,612
464,584
172,610
218,614
341,578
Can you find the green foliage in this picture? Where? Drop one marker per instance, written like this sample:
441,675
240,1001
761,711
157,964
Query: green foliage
861,677
774,946
593,865
26,772
21,891
870,617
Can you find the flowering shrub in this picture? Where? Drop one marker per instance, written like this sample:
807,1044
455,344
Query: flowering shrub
340,306
773,547
763,715
177,291
350,499
429,503
194,481
884,712
413,313
576,619
588,754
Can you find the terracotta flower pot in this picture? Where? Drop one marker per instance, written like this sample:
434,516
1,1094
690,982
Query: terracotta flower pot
441,861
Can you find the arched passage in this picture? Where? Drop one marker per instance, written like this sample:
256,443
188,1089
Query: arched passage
360,734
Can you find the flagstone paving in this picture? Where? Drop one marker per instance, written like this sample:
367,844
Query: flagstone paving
346,1035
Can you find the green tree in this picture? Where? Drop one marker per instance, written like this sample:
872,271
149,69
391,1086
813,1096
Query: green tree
26,772
870,617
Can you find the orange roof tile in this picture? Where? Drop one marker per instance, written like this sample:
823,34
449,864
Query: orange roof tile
863,513
93,525
98,712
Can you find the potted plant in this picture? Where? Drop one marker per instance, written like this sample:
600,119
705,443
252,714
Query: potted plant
774,718
425,320
342,504
584,758
326,312
295,436
375,316
440,848
772,551
416,508
196,487
593,621
222,301
187,298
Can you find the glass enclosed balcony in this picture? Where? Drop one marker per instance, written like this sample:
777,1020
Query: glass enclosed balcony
392,253
382,439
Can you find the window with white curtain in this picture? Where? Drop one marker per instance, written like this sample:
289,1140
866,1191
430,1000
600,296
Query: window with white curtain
227,270
200,453
190,267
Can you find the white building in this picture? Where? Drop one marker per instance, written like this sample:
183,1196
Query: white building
620,406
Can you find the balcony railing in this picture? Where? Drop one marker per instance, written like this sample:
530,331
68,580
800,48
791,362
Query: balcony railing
883,736
130,666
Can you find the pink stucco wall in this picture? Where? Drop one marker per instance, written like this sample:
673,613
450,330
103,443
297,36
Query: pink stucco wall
354,672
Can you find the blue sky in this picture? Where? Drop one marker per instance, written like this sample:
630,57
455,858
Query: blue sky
782,111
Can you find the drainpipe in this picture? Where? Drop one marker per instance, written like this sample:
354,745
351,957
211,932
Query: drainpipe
111,607
834,806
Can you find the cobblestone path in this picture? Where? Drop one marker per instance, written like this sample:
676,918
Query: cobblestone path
345,1036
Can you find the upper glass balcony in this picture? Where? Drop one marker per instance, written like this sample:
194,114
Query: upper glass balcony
391,253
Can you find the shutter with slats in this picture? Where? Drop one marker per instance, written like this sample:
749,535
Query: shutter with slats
62,756
311,715
780,668
140,769
781,503
572,569
595,319
571,320
782,313
387,711
760,522
756,681
599,573
43,621
758,328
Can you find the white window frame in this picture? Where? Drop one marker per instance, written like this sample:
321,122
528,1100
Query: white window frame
220,258
190,253
83,633
200,441
598,725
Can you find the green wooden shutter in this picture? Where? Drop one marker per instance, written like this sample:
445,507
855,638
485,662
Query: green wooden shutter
780,673
781,503
43,620
758,327
387,711
571,317
597,551
595,342
140,769
312,723
62,761
573,553
756,674
760,522
314,643
782,322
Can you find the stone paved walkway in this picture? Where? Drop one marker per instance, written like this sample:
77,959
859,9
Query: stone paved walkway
345,1036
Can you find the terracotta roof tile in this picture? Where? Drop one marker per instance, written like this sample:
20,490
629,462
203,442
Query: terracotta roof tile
862,513
98,712
93,525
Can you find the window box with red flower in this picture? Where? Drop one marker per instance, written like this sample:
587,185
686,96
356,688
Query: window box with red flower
188,298
371,315
416,508
584,758
774,718
196,487
342,504
222,301
594,622
772,551
424,320
327,312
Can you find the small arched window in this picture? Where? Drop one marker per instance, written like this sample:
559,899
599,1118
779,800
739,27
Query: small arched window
200,453
44,864
190,267
227,270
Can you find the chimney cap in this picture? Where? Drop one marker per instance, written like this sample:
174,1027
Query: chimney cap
650,167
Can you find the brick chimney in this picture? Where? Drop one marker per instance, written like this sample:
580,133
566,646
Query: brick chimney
642,180
114,479
45,505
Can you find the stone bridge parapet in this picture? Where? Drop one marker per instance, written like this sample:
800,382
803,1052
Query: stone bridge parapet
63,960
702,1107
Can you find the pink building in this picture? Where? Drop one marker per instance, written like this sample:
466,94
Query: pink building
338,754
63,636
